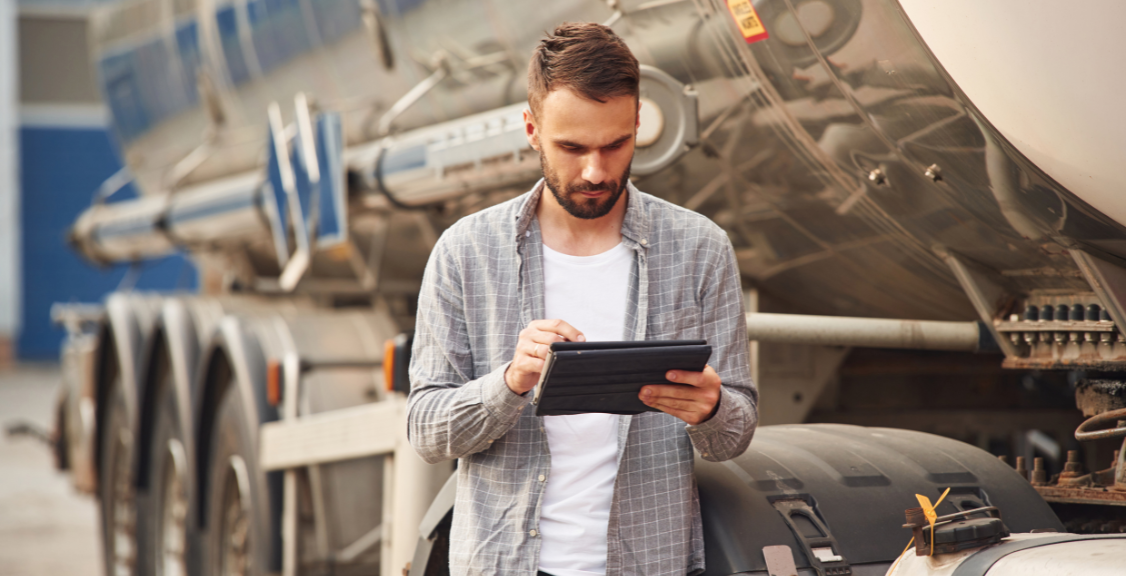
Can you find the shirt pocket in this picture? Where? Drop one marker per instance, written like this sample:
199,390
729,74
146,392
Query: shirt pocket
685,322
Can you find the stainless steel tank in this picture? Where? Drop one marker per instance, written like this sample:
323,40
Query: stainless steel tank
848,166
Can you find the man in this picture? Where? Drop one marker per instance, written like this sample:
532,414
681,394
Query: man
583,256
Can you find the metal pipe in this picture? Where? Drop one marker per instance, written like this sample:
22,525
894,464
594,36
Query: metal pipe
1084,433
869,332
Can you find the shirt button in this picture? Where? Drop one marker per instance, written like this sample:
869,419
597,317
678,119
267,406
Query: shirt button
542,477
704,454
644,242
490,442
533,533
527,233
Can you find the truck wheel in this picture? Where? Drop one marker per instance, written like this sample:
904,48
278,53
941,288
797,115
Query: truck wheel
115,486
167,516
236,534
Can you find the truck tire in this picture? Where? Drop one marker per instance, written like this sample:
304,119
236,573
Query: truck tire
117,495
166,517
237,527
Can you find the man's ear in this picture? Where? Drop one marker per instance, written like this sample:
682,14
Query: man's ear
530,130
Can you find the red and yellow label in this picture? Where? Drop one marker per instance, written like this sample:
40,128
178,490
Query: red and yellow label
747,20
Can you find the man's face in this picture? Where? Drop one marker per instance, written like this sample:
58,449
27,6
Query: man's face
585,148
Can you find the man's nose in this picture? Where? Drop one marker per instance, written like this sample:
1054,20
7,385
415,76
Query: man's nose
595,169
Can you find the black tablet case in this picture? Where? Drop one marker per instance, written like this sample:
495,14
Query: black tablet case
606,377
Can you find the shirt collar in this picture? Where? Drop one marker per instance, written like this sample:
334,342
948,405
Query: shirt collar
635,227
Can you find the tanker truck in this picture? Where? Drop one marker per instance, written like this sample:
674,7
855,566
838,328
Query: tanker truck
922,199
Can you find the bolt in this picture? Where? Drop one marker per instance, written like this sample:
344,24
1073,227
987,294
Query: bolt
1039,474
1093,312
1031,313
1046,313
1061,312
934,172
1073,468
1104,316
878,177
1004,459
1021,469
1076,313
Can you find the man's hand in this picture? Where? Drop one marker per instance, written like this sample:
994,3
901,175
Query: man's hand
531,351
694,403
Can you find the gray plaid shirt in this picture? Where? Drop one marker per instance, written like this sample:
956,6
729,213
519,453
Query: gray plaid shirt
482,286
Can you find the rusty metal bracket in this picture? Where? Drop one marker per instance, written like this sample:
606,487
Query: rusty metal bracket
1108,280
985,291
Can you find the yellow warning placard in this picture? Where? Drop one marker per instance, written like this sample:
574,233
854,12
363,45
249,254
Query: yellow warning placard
747,19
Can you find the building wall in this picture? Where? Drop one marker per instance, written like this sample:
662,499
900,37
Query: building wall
67,151
9,192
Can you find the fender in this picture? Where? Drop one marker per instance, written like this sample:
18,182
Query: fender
128,324
174,346
235,358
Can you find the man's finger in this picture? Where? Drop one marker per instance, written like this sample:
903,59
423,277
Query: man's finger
697,379
671,405
530,364
685,377
655,392
559,327
545,338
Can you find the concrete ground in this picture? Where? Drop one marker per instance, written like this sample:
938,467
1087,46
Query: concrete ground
46,527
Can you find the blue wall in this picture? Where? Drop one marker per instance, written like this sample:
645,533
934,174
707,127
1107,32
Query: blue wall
60,168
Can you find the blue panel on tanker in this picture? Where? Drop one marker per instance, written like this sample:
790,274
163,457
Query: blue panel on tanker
399,7
303,186
226,21
240,201
161,90
146,83
402,160
278,31
336,18
331,203
120,90
187,40
60,168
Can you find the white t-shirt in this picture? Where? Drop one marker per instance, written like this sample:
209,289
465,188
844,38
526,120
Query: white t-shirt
589,293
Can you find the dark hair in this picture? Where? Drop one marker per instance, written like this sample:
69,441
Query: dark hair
586,57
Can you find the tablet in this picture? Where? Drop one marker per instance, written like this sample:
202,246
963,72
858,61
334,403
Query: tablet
606,377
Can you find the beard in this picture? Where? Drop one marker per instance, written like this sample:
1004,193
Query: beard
571,199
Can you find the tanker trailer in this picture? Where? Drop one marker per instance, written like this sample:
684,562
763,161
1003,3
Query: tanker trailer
308,153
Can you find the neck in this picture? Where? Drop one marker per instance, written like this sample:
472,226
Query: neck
573,236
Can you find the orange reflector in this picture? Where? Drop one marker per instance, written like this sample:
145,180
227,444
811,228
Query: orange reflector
389,365
273,382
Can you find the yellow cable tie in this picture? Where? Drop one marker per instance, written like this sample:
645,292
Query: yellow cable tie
929,512
909,543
